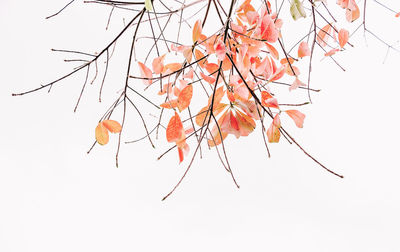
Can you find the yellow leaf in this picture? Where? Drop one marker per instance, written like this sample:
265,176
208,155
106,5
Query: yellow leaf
148,5
101,134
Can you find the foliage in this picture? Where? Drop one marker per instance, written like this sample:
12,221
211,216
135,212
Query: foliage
220,83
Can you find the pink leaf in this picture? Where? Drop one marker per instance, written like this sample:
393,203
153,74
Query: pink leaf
297,117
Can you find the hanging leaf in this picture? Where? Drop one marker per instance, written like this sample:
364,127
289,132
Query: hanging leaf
145,73
196,31
304,50
297,83
148,5
322,37
173,67
158,64
273,132
297,10
174,129
199,55
343,37
297,117
170,104
185,97
208,79
112,126
331,52
101,134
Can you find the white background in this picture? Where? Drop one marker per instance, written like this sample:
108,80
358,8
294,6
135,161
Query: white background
55,197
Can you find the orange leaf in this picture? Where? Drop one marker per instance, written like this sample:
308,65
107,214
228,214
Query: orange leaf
211,68
285,61
219,94
268,100
352,15
273,132
158,64
277,72
397,15
173,67
174,129
199,55
197,28
297,117
271,103
187,53
101,134
322,35
184,98
297,83
216,138
200,118
208,79
145,73
343,37
265,95
229,124
170,104
273,51
252,109
331,52
112,126
189,75
246,123
292,71
304,50
226,64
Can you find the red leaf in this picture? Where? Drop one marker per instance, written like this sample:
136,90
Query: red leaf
174,129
